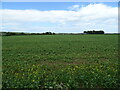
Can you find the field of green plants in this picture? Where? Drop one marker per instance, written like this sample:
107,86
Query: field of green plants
60,61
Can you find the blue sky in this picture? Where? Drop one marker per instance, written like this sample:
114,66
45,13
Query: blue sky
49,5
67,17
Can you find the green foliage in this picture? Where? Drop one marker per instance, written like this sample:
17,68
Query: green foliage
60,61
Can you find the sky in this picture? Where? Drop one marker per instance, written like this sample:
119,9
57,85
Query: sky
59,17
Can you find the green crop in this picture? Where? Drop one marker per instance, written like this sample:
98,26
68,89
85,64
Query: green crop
60,61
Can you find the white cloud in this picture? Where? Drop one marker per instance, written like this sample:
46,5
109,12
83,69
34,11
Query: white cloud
92,16
74,7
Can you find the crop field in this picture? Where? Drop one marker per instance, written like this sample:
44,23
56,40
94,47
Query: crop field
60,61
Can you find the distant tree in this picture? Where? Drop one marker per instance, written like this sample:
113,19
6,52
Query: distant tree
22,33
48,33
53,33
85,32
94,32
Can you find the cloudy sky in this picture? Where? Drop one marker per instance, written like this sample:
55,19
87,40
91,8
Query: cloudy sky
58,17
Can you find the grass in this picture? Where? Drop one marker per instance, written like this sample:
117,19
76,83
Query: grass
60,61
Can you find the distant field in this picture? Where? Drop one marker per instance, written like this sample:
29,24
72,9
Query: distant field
60,61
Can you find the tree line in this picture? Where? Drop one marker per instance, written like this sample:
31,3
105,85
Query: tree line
49,33
94,32
22,33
